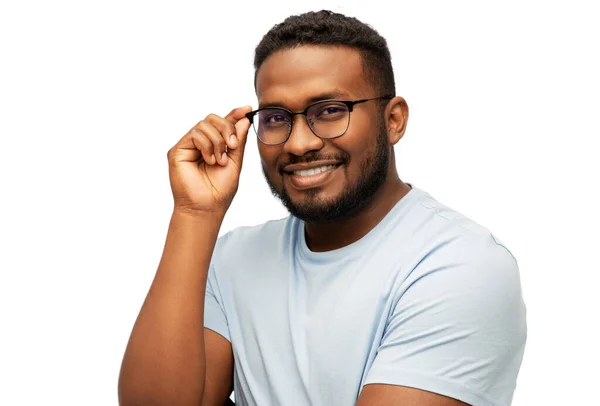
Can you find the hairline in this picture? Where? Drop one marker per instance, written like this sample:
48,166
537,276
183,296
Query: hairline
361,53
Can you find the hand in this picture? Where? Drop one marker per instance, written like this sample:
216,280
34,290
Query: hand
205,165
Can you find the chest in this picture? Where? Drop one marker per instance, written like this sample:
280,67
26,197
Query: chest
318,326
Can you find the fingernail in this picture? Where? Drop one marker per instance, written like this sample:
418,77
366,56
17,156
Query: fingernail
212,159
233,139
224,157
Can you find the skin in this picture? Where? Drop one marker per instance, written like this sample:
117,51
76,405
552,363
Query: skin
292,79
170,358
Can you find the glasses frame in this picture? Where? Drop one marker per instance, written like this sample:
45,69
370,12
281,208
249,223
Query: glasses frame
349,104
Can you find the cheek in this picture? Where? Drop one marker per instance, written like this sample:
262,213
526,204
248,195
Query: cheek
269,163
359,145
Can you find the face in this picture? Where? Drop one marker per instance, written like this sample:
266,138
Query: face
320,180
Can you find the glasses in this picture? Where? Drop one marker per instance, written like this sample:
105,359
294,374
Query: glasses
326,119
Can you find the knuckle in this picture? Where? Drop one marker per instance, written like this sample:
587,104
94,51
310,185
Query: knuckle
213,118
197,138
174,148
206,144
218,121
199,127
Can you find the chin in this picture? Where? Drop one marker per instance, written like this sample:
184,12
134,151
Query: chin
319,208
334,201
321,195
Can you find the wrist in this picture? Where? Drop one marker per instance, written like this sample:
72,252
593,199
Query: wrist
214,217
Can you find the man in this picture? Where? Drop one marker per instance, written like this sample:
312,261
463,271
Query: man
370,293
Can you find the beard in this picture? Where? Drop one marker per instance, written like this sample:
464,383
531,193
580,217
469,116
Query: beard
355,197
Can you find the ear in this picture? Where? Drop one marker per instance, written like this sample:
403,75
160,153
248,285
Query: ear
397,118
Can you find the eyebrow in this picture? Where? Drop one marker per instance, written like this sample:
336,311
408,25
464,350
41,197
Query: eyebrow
320,97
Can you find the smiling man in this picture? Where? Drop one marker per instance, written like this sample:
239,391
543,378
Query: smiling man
370,293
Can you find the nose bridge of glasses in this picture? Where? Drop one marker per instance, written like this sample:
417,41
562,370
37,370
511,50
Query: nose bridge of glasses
300,113
293,122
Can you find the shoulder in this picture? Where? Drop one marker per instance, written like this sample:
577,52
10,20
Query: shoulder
474,265
249,235
457,323
250,242
447,233
453,251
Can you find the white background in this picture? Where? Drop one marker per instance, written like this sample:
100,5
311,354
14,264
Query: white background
504,103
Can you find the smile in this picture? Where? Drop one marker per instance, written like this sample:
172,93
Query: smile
302,179
314,171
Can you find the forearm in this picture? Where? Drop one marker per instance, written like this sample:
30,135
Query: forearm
165,361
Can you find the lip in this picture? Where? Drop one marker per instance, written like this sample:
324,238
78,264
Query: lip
311,165
311,181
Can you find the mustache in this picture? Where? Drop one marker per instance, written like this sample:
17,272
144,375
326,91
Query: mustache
305,159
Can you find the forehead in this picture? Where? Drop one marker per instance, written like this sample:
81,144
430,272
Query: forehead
295,77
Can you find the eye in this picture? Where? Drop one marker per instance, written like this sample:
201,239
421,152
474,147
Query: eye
329,112
275,119
332,110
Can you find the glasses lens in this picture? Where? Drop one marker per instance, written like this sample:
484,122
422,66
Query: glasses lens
328,119
272,126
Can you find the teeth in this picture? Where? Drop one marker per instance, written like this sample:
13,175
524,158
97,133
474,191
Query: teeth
314,171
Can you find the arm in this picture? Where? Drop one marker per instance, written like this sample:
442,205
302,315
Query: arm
171,359
392,395
169,351
458,329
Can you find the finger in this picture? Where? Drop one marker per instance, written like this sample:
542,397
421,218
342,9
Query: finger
241,128
203,144
187,149
216,139
226,128
237,114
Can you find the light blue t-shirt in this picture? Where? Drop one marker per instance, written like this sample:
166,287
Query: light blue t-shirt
427,299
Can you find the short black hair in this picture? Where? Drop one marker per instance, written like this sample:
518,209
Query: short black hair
328,28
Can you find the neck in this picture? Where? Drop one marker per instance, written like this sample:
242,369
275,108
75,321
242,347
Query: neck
329,236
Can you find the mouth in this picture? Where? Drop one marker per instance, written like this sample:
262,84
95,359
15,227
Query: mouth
308,178
314,171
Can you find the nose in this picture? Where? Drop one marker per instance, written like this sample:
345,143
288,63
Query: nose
302,140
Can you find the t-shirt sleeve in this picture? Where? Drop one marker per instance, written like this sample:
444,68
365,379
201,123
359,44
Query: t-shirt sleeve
458,327
215,317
